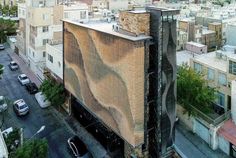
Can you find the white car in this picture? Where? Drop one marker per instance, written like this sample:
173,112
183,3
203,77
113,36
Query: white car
13,65
20,107
41,99
23,79
2,47
7,131
3,104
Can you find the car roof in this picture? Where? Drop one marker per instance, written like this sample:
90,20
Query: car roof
81,147
12,62
20,102
1,97
23,75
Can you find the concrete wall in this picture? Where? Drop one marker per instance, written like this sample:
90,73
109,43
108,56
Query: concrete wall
230,34
183,117
196,48
57,65
224,145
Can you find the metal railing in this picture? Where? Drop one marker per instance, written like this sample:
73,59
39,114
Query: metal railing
214,121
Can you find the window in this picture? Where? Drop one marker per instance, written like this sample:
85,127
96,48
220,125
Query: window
45,28
210,74
220,99
50,58
44,54
83,15
222,79
197,67
232,67
45,41
33,54
66,15
59,64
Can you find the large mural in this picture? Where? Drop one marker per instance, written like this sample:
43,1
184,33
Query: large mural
106,74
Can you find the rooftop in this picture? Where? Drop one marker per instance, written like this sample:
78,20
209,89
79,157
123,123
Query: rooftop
212,60
184,57
206,31
196,44
106,27
228,131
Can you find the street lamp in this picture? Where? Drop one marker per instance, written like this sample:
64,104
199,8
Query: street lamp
40,130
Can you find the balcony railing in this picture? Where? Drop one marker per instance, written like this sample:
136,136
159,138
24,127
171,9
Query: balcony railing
212,118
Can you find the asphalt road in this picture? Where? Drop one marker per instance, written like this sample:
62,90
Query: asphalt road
56,132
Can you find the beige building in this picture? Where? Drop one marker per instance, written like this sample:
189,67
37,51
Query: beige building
40,23
8,2
219,71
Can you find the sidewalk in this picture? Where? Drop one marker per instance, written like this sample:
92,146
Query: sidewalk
192,146
23,66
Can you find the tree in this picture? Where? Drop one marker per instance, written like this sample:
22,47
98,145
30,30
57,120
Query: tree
7,27
192,89
53,91
37,148
1,70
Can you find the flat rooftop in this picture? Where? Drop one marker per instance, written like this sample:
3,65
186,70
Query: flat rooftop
106,27
211,59
184,56
196,44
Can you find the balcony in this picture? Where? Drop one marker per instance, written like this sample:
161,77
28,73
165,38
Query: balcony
213,117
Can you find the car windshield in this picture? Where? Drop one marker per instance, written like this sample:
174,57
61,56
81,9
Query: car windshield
1,101
14,64
79,145
24,78
23,106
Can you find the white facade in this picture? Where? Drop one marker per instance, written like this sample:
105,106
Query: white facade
230,34
54,61
3,147
41,27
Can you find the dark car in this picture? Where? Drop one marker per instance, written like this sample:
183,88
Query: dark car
31,88
78,148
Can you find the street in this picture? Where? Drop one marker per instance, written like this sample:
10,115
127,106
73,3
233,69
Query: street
56,132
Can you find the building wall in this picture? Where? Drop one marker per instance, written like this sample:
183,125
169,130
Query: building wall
217,27
214,83
224,145
209,40
57,65
230,34
135,23
196,49
106,74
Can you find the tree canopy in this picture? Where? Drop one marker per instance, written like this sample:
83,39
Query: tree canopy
37,148
53,91
1,70
192,89
7,27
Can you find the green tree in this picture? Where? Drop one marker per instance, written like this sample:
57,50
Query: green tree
192,89
37,148
7,27
1,70
53,91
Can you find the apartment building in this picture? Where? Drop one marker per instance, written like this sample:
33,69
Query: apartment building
230,34
113,72
40,23
218,68
8,2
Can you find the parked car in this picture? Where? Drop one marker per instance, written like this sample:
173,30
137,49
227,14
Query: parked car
41,99
31,88
78,148
7,131
3,104
20,107
13,65
2,47
23,79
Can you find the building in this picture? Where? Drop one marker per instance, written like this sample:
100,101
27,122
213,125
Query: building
230,39
219,72
8,2
208,37
196,47
37,28
113,73
217,27
3,148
